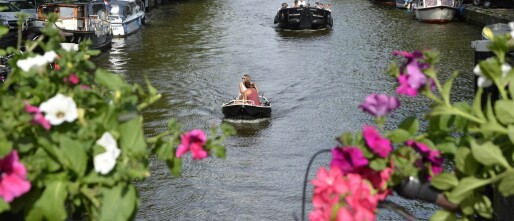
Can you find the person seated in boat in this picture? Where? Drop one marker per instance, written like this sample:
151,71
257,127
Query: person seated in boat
302,3
251,94
243,88
284,5
327,7
295,4
318,5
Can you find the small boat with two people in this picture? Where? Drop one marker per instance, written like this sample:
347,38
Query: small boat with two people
435,11
78,21
247,109
249,104
303,16
127,17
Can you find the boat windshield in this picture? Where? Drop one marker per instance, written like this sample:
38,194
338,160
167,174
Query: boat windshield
23,4
8,7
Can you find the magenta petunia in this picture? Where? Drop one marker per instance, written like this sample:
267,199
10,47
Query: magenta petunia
13,180
432,156
378,145
193,141
39,118
379,105
405,88
73,79
347,159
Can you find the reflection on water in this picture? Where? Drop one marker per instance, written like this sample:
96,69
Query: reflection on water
246,128
195,53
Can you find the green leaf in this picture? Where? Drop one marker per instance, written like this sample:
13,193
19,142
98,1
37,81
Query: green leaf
466,188
4,206
410,124
443,215
506,185
504,111
441,110
50,205
477,103
3,30
109,80
175,165
118,203
488,154
484,207
75,155
465,162
5,148
399,136
346,139
131,137
510,132
447,87
444,181
378,164
447,148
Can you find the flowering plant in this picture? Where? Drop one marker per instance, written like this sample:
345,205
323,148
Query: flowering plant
71,136
477,136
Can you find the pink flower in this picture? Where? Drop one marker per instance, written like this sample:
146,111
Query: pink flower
72,78
39,118
432,156
85,87
347,159
412,78
328,185
193,141
360,201
377,144
378,180
379,105
13,179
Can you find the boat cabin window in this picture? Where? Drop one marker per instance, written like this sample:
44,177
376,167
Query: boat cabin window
67,12
97,8
127,10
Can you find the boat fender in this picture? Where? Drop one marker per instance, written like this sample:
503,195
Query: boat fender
294,21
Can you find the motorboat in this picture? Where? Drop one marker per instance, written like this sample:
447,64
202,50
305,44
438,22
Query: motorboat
77,22
246,109
127,16
435,11
304,18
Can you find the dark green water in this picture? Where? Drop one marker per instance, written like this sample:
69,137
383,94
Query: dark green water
195,53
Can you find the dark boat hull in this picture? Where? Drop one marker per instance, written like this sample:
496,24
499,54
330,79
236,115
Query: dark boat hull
243,111
304,18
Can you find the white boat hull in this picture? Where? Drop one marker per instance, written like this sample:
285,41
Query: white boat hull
127,27
437,14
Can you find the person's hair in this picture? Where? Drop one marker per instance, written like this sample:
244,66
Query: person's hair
247,79
249,84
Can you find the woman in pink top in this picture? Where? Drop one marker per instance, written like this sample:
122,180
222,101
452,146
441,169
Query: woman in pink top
251,93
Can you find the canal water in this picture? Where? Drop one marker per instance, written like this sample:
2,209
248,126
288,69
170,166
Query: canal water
195,53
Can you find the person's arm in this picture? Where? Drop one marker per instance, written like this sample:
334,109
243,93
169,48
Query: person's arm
256,88
242,88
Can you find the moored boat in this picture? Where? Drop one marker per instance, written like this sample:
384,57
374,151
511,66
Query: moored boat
304,18
435,11
245,109
127,16
77,22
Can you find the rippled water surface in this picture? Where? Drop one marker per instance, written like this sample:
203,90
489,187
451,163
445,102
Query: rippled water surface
195,53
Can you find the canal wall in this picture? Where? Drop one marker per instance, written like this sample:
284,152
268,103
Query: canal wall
479,15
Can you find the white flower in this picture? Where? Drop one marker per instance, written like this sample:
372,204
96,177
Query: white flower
505,70
108,142
482,80
59,109
106,161
37,62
